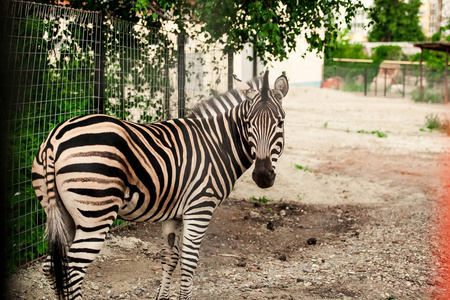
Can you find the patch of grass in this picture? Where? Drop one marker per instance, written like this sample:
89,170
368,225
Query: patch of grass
429,96
304,169
262,199
353,87
378,133
433,122
325,125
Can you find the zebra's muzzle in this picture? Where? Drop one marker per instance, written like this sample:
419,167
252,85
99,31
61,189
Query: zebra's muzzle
264,174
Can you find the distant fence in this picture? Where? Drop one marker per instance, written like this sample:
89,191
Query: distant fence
65,62
390,79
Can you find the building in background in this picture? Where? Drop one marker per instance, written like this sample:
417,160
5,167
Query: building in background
432,15
359,30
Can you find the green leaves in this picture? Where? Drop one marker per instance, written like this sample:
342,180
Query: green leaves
396,21
378,133
262,199
272,27
305,169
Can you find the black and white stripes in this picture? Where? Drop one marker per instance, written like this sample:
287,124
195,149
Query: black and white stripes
92,169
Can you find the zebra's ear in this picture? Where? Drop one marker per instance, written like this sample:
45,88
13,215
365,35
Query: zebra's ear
281,87
247,90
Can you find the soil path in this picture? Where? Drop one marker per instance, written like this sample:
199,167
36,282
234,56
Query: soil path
349,216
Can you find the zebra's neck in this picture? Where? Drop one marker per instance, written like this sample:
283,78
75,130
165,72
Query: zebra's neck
233,137
223,102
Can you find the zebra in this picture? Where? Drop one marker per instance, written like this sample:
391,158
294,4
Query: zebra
93,169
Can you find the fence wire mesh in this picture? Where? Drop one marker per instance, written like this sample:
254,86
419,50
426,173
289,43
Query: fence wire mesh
52,63
65,62
138,64
144,81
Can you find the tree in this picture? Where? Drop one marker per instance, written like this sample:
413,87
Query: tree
123,9
396,21
272,26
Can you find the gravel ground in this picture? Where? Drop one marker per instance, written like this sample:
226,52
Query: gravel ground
356,222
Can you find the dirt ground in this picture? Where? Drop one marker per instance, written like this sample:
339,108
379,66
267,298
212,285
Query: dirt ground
351,215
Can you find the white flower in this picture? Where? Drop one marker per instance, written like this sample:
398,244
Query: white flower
45,37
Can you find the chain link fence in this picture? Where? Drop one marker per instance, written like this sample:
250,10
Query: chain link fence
65,62
394,80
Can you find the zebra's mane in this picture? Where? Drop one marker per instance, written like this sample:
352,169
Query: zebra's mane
223,102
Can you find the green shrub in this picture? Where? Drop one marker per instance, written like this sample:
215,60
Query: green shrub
352,86
382,53
429,96
434,68
432,122
342,48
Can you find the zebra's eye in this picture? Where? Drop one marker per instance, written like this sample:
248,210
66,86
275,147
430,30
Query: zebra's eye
280,124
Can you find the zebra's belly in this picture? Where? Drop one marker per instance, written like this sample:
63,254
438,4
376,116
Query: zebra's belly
140,206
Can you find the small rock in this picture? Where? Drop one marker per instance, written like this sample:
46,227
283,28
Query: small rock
241,264
254,214
311,241
282,213
270,226
282,257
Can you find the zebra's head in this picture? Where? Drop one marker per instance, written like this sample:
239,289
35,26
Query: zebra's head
265,126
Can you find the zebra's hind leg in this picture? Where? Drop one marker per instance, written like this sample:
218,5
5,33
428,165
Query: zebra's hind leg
171,232
87,244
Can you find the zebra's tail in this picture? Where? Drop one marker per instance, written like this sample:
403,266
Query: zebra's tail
57,234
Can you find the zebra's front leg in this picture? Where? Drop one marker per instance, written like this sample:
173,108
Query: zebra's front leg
194,229
171,231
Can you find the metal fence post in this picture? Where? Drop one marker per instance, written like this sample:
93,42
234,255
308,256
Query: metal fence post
376,81
421,74
365,81
255,62
99,78
181,67
404,78
166,90
446,75
230,69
